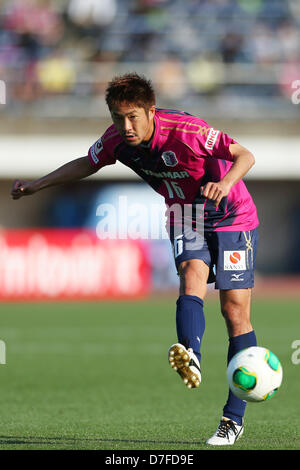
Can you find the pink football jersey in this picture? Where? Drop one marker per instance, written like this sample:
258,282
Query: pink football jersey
185,154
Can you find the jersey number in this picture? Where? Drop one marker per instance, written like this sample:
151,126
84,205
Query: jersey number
174,189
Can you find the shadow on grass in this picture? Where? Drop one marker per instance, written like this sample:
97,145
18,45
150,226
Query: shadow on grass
23,440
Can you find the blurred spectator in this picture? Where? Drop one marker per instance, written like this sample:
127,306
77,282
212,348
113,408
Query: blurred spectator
231,48
170,79
26,88
35,21
92,12
294,6
289,73
148,48
73,46
289,39
56,73
205,74
264,45
253,6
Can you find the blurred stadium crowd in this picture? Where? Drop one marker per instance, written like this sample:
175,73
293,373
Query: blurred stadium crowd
191,48
233,60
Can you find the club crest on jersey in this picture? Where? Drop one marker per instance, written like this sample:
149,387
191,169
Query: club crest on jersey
169,158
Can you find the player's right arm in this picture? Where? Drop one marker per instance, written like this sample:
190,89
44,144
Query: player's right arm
71,171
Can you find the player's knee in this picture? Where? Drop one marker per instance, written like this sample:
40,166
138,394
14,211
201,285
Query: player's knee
193,278
191,270
236,318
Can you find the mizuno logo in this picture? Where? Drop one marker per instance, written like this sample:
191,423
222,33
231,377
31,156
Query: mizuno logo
237,277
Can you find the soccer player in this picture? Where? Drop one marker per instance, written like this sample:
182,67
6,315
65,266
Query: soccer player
192,165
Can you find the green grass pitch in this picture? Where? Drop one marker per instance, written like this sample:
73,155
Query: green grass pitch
96,376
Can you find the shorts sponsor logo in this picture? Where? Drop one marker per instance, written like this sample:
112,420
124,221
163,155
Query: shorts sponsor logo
211,139
169,158
235,257
235,260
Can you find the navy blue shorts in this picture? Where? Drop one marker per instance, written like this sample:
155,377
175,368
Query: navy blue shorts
229,255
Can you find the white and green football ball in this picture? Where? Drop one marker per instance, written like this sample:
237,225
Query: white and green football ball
254,374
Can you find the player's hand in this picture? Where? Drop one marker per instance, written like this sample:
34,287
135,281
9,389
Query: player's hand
215,192
21,188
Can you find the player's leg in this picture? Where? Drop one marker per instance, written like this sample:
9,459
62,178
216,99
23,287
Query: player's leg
193,275
185,355
236,310
235,267
192,259
235,307
190,320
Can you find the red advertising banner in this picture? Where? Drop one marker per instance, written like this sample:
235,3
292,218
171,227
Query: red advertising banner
58,264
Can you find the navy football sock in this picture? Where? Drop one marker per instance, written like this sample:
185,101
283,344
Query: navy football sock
235,408
190,322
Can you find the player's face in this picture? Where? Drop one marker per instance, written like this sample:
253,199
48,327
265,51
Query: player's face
135,124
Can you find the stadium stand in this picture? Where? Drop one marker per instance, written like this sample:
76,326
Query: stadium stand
211,53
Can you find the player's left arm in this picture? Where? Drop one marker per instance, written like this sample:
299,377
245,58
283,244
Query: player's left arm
243,160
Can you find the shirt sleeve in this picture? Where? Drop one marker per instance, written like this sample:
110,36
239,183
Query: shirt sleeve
215,143
99,155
